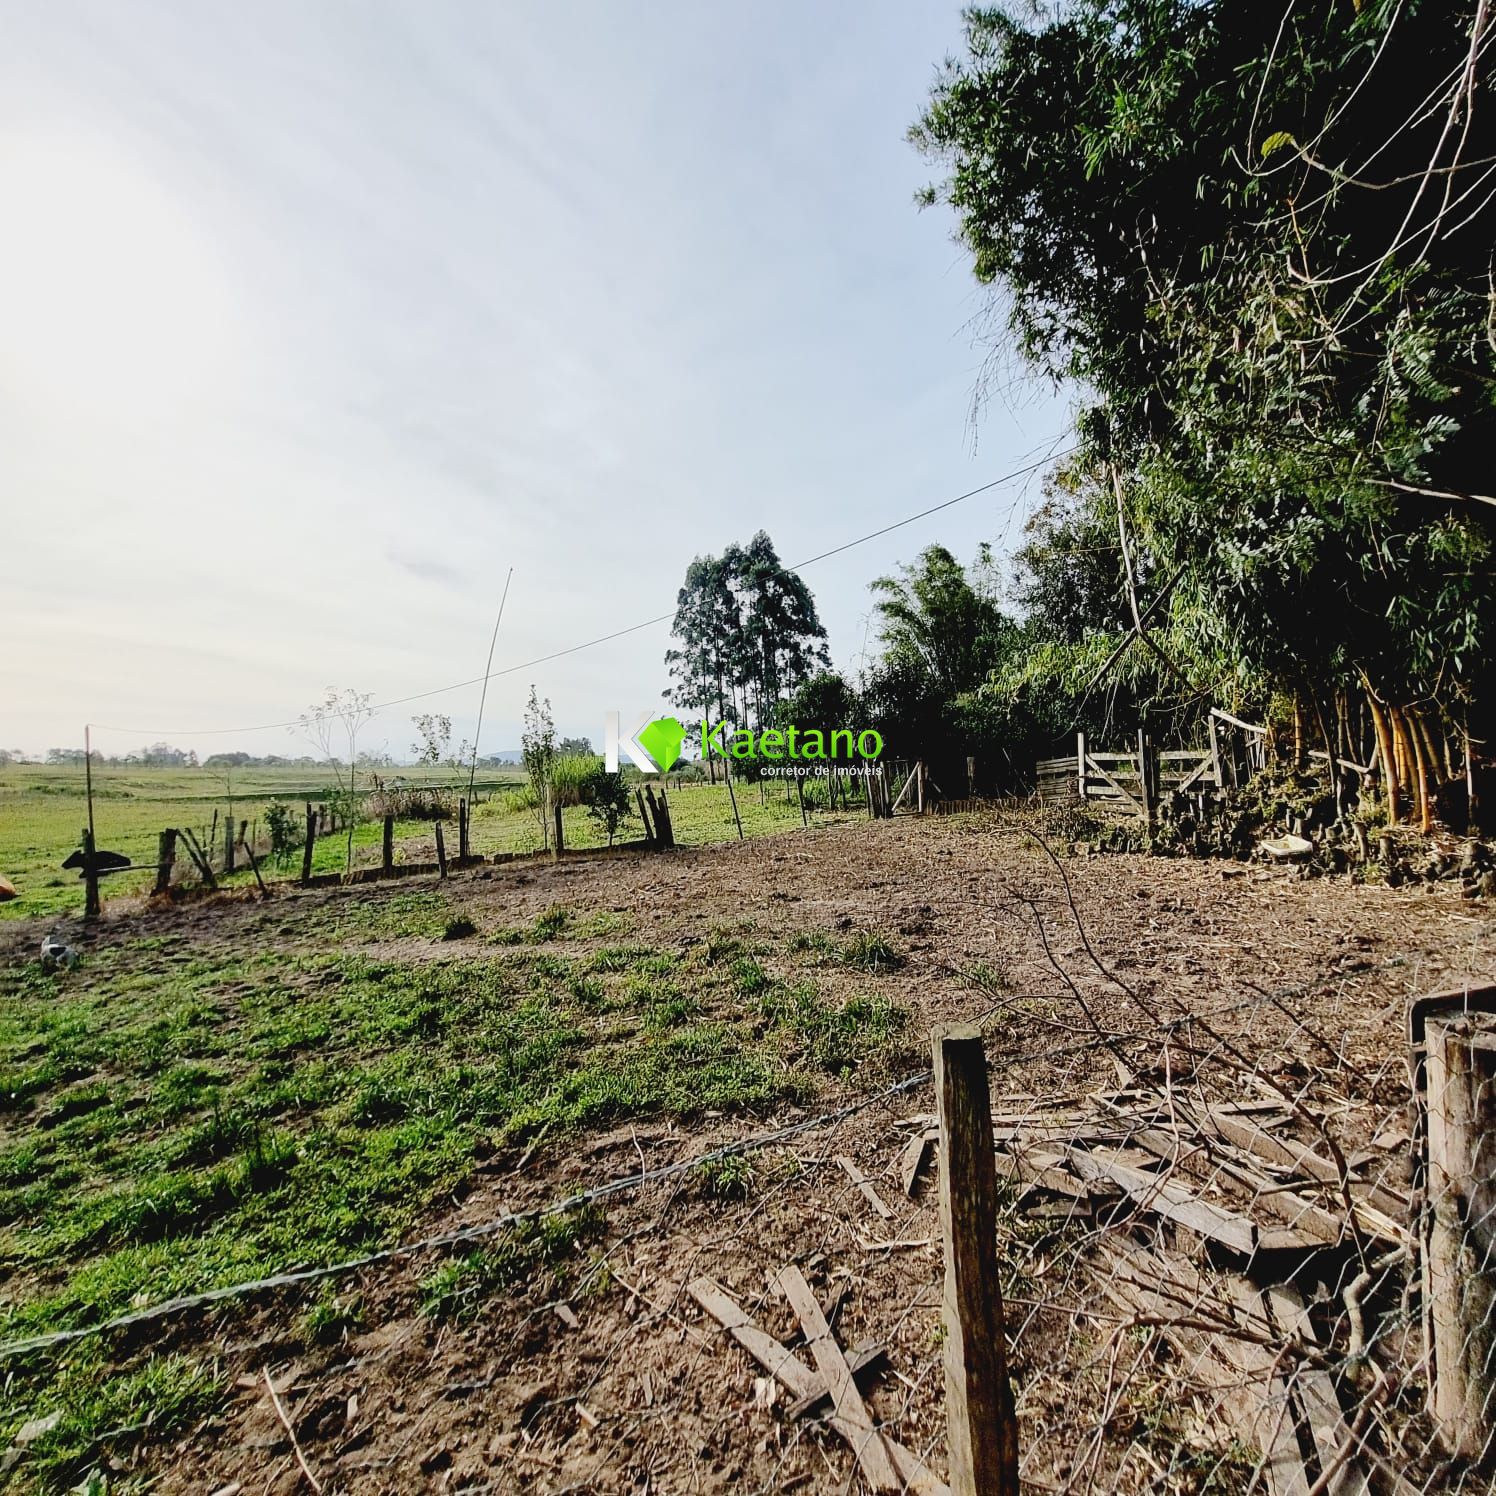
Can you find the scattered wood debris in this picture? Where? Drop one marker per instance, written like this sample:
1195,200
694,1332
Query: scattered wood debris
1212,1182
886,1463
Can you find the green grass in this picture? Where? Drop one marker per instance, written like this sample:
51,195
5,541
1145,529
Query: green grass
172,1121
700,813
43,809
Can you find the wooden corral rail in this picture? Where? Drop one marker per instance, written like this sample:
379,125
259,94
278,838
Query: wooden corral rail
1131,781
1135,780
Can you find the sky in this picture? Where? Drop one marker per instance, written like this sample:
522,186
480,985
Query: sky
316,319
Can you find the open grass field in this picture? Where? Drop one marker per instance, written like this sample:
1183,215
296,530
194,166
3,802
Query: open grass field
43,810
227,1089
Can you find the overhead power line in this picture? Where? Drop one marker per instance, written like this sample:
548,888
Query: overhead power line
633,628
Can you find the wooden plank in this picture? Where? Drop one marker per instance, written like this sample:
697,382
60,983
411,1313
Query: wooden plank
1235,1403
913,1158
1172,1201
866,1441
864,1360
865,1185
1255,1139
775,1358
1243,1372
1039,1168
1315,1391
789,1370
982,1427
1112,783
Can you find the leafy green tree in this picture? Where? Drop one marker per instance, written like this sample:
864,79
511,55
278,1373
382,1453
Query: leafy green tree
606,797
1259,240
747,634
433,738
538,751
932,618
942,633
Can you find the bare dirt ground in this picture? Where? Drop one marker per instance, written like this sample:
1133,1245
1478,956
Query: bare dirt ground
625,1385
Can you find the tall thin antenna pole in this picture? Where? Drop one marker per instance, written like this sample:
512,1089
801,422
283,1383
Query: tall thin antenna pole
483,697
88,773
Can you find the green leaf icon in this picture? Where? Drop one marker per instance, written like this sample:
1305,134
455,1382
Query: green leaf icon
661,740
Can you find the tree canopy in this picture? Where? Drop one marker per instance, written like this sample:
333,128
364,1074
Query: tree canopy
1260,242
748,635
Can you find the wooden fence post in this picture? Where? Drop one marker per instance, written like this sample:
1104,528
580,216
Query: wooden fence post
462,831
559,845
1080,765
733,796
228,841
649,834
166,855
662,818
90,878
311,840
982,1426
1215,753
254,865
441,852
199,856
389,843
800,795
1459,1238
1145,776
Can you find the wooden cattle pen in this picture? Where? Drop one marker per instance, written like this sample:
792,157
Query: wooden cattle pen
1136,780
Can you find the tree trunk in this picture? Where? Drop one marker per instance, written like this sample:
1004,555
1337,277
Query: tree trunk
1421,768
1385,753
1407,766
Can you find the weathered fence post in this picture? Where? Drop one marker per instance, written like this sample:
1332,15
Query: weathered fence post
462,831
254,865
389,843
199,856
1215,753
90,877
1145,776
1459,1237
559,845
311,841
982,1426
228,841
1080,765
649,834
733,796
800,795
919,786
166,855
971,777
441,852
662,818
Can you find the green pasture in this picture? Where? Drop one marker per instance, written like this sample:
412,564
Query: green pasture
43,810
172,1119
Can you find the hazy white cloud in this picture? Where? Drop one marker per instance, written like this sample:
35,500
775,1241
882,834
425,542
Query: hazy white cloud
319,317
